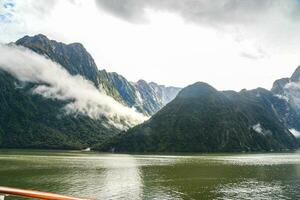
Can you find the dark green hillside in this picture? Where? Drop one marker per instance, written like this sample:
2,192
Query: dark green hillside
28,120
31,121
202,119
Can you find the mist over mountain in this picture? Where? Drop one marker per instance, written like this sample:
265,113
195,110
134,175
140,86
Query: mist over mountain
288,89
49,83
76,60
53,95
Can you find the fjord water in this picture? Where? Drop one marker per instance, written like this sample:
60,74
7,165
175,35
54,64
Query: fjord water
121,176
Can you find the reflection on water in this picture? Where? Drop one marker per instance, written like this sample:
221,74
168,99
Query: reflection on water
122,179
251,189
104,177
261,159
113,176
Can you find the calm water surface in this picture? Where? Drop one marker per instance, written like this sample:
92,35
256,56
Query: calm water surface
113,176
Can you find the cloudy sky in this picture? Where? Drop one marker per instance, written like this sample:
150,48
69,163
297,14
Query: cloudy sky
231,44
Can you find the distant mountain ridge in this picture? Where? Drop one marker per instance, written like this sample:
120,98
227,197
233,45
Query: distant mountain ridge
147,98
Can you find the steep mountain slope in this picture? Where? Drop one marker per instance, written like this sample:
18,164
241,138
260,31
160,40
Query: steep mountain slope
27,119
32,121
146,98
165,94
153,96
288,89
73,57
202,119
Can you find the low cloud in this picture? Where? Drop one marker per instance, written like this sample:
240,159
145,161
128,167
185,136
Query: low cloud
295,132
258,128
55,82
292,92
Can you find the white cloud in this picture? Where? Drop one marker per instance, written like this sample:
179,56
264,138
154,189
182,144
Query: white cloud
295,132
292,91
258,128
229,44
56,83
282,97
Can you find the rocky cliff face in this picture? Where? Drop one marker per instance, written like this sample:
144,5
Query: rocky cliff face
288,89
145,98
72,57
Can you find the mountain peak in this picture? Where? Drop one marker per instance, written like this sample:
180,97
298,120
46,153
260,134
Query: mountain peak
43,39
32,39
142,81
40,36
278,85
76,45
296,75
196,90
73,57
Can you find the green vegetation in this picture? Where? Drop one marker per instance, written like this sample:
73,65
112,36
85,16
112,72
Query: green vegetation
199,119
31,121
202,119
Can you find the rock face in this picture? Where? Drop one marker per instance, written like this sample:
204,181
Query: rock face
153,96
145,97
28,120
202,119
72,57
288,89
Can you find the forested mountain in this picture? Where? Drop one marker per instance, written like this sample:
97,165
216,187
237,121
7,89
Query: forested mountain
202,119
32,121
29,120
198,118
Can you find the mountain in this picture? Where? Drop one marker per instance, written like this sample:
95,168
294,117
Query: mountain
146,98
198,118
28,120
32,121
73,57
202,119
288,89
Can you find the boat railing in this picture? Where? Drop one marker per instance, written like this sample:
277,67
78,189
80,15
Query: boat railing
8,191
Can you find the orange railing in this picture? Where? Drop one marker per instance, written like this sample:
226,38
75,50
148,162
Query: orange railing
35,194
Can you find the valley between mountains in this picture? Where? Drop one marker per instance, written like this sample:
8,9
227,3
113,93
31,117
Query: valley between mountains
54,96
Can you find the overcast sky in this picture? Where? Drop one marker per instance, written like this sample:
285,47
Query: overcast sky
230,44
